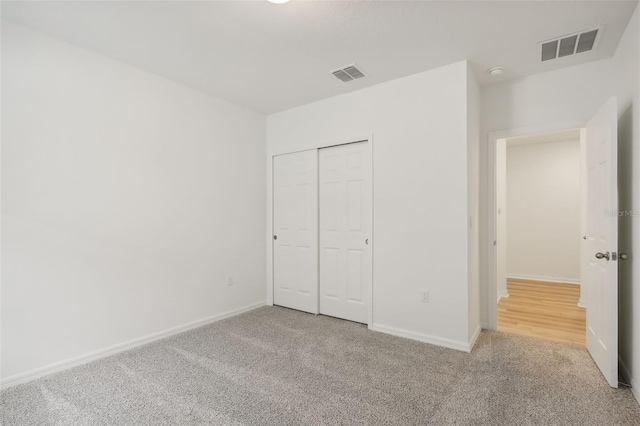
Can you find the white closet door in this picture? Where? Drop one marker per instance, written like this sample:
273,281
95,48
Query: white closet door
295,225
345,230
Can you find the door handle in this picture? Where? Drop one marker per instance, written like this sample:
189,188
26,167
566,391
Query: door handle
275,237
623,256
600,255
366,241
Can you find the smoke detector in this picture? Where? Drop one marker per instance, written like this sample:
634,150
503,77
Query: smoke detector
571,44
348,73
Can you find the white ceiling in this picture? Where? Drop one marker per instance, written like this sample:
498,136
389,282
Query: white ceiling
273,57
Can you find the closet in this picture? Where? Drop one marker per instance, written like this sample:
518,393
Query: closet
322,257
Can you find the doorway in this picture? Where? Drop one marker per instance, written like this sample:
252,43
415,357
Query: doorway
599,270
540,211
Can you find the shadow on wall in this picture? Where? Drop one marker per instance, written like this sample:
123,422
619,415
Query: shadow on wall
625,228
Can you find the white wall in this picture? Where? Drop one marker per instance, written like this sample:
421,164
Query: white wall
561,99
501,219
127,200
627,75
420,238
544,211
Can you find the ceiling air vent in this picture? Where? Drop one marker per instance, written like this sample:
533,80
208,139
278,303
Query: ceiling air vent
348,73
571,44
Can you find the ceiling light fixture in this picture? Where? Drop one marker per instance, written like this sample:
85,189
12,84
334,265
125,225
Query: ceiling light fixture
496,71
278,1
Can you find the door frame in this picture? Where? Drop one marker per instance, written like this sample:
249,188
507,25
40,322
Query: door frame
307,146
491,301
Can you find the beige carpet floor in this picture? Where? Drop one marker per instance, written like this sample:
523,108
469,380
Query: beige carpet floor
275,366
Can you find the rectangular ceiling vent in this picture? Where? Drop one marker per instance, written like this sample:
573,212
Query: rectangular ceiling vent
348,73
572,44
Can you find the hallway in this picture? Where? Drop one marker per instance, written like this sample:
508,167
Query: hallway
546,310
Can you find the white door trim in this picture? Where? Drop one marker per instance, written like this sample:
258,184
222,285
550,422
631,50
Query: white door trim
491,301
317,144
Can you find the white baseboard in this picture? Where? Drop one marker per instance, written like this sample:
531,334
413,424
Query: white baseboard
502,294
426,338
36,373
544,279
627,376
582,303
474,337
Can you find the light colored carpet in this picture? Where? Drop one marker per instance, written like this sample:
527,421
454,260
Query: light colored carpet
275,366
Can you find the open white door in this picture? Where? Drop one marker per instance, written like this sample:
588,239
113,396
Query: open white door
295,231
602,240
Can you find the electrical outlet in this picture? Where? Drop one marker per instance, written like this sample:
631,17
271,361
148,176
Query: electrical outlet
230,280
425,296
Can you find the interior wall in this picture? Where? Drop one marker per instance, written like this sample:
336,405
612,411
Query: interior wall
561,99
627,88
544,210
127,202
420,187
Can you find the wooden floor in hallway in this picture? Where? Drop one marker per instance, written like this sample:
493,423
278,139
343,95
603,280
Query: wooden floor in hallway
541,309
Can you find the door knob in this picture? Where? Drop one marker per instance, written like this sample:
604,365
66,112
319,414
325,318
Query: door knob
602,255
366,241
275,237
623,256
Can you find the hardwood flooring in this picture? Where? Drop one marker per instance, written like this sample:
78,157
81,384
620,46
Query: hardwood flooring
546,310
